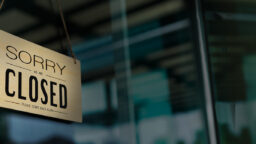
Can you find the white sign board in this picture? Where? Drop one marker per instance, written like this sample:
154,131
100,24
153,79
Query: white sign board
37,80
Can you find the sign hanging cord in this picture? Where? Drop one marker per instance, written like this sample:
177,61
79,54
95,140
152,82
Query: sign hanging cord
64,26
65,29
2,3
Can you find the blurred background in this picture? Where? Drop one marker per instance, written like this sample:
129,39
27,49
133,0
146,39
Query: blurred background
231,48
142,70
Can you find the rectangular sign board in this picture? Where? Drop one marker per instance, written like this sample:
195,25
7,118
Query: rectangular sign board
37,80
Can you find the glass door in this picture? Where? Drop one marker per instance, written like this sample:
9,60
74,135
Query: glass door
230,34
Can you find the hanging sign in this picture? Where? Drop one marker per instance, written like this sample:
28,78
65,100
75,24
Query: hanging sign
37,80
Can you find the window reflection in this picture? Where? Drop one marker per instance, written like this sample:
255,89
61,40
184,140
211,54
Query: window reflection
140,76
230,32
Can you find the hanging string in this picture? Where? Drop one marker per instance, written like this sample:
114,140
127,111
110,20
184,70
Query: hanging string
65,29
64,26
2,3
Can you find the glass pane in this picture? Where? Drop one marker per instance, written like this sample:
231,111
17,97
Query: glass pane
141,76
164,83
230,36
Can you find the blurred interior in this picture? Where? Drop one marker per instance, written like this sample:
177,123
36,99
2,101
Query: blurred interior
231,42
141,70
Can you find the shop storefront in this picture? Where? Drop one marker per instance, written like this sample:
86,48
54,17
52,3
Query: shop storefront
152,72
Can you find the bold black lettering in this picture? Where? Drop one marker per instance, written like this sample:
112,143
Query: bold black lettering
7,79
33,83
52,93
61,68
20,87
21,59
63,93
47,64
38,59
14,56
43,83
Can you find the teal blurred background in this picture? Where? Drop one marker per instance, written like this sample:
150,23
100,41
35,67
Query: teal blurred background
142,70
